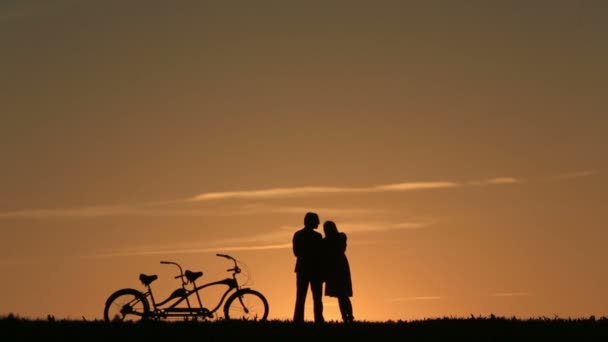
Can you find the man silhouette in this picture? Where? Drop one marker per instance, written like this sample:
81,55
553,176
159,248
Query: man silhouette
307,247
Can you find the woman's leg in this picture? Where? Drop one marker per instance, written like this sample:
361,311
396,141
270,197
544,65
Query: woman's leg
346,308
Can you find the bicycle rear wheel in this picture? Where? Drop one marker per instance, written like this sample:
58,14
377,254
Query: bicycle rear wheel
126,305
246,304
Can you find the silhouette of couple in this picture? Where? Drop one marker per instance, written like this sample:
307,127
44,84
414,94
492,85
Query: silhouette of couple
321,260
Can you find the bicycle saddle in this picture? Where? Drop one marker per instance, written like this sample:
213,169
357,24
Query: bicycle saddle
192,276
147,279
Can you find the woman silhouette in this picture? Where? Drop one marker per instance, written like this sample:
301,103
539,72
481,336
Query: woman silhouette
338,281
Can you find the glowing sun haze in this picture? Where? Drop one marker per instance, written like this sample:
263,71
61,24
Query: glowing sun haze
461,146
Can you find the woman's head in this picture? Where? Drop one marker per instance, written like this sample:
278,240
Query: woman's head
330,228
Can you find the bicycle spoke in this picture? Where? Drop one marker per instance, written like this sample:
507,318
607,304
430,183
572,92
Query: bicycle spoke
247,305
126,305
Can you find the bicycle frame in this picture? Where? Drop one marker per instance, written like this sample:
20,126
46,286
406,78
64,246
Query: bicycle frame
183,295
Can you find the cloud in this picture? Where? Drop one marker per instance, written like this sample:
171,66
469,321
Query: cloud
413,186
510,294
267,240
498,180
305,191
81,212
160,208
16,262
261,208
381,226
270,193
407,299
187,251
571,175
156,210
107,211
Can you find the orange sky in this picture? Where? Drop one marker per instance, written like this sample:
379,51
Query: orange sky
460,147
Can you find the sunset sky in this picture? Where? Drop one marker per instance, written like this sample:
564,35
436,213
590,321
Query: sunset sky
461,146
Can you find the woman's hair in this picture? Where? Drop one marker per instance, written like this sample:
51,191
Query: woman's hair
330,228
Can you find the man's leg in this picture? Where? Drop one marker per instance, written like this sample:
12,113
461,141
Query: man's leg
301,291
317,295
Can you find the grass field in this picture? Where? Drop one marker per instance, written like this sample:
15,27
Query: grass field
441,329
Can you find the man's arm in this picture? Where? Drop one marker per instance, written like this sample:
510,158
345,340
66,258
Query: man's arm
296,245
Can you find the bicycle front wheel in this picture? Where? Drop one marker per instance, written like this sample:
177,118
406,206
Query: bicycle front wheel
246,304
126,305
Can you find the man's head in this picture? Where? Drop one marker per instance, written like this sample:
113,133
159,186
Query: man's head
311,220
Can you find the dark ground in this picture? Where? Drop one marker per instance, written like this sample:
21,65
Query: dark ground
445,329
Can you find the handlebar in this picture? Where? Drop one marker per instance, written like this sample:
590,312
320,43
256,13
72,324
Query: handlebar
236,269
181,272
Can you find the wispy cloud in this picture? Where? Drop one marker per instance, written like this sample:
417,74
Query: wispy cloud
160,211
270,193
157,208
407,299
381,226
498,180
131,253
262,208
265,240
510,294
17,262
304,191
177,207
409,186
577,174
109,211
81,212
